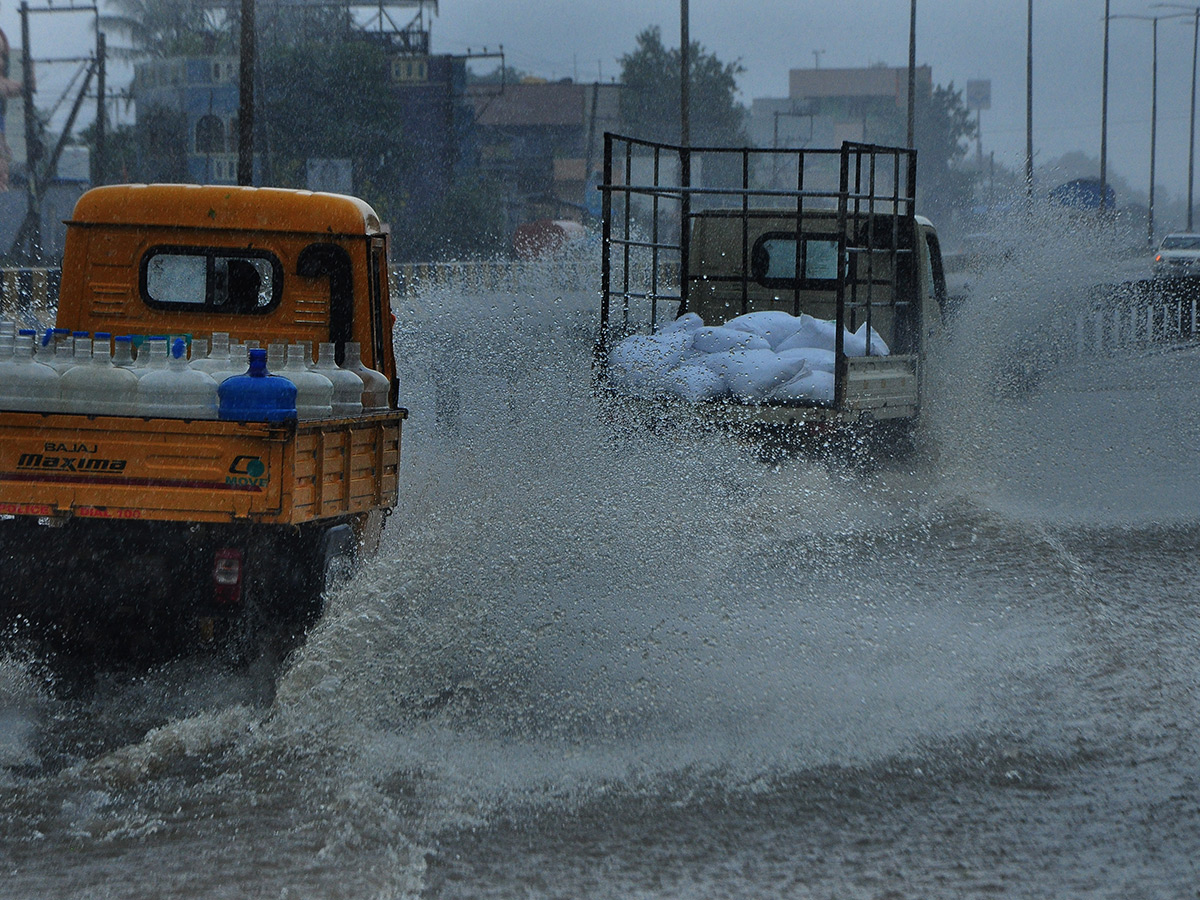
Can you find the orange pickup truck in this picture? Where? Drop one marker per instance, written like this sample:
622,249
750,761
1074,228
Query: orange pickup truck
195,528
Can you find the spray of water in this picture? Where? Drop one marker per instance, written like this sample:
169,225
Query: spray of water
567,605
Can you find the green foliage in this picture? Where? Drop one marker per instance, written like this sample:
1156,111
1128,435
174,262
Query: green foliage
942,130
164,28
162,138
498,75
120,154
650,101
333,101
468,223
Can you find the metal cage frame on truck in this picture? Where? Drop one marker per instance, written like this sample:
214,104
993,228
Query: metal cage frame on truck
851,212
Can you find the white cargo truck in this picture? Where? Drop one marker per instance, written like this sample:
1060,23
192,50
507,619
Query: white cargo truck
809,250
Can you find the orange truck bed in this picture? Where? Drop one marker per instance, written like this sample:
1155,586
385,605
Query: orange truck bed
113,467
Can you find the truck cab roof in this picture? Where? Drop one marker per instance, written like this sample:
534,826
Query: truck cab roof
226,208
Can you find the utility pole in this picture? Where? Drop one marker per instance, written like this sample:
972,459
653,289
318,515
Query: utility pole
1029,104
100,168
30,237
685,75
912,73
245,165
1104,119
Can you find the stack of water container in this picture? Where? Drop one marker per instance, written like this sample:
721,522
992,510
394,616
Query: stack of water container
99,374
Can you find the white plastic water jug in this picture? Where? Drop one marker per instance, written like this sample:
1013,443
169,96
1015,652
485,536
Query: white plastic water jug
25,383
123,351
177,392
375,384
152,356
347,386
64,352
314,392
99,388
218,359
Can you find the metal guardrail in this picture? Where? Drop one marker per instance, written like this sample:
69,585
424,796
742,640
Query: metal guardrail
35,290
494,276
1134,314
1118,316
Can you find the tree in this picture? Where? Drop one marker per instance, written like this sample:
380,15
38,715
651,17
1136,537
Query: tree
120,154
303,85
650,101
498,75
466,223
163,28
942,131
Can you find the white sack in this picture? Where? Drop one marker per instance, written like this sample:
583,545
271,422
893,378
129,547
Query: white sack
687,322
817,333
695,383
808,385
753,374
822,334
816,359
858,340
640,361
773,325
721,339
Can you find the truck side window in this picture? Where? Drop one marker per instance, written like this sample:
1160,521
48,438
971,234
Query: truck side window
216,280
934,271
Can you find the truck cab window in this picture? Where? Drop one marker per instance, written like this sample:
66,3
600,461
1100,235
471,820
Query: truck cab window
773,260
208,278
177,279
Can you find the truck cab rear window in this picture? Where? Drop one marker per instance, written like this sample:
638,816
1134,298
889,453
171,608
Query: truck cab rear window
773,260
213,280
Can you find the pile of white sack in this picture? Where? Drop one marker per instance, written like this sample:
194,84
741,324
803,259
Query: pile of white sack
758,357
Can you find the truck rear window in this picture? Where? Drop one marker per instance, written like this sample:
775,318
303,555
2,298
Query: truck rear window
773,260
211,279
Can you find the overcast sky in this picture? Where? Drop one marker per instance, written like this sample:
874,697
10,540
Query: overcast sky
960,39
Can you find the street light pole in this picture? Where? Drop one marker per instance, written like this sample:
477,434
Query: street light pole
245,163
912,73
1192,127
1195,13
685,75
1153,20
1029,104
1153,127
1104,117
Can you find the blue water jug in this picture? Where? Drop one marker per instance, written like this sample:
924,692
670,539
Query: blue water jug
257,396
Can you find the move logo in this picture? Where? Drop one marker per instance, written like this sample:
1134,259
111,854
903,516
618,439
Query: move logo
43,463
250,471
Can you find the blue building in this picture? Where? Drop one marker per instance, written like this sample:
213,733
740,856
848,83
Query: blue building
196,97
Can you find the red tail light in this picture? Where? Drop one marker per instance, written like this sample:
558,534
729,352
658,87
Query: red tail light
227,577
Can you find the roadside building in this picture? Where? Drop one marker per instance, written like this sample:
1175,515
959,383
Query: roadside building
827,106
544,142
187,122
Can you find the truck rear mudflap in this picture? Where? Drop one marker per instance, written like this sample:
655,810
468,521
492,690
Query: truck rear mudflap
132,468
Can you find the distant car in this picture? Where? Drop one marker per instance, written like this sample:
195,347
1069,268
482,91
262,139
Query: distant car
1178,254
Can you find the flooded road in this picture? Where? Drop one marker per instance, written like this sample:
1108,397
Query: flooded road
597,661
